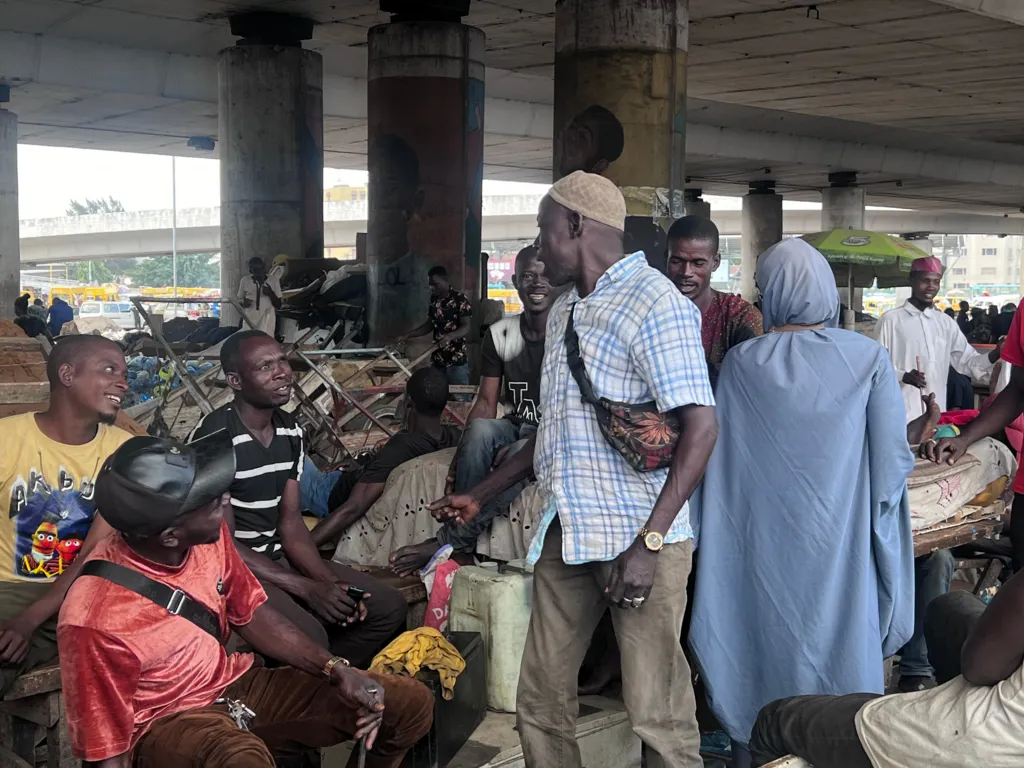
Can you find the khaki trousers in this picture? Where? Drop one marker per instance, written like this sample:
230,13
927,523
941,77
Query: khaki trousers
568,601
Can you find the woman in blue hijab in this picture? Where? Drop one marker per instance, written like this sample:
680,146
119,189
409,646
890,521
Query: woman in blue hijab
805,580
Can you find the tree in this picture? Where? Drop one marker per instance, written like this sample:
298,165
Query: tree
90,206
195,270
80,271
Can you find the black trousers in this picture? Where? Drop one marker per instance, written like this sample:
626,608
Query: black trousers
822,730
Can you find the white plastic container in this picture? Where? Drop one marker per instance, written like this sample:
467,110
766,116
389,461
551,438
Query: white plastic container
498,606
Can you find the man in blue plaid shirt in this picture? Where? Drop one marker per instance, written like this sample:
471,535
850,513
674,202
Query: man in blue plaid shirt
611,534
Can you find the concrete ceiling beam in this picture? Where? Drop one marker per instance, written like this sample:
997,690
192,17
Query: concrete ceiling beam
1003,10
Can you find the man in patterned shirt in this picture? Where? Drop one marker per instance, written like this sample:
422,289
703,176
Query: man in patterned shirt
611,534
726,320
448,318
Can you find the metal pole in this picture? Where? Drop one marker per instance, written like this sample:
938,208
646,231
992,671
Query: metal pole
174,224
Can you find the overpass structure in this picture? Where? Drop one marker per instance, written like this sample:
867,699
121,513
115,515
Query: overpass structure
149,233
912,104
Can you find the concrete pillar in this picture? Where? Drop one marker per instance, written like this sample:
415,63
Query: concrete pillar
842,207
842,202
762,228
695,205
620,106
425,141
271,147
10,259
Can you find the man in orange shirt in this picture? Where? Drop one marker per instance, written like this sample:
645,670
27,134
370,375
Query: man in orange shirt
146,677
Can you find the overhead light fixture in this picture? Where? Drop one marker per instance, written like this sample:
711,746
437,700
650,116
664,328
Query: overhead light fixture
201,143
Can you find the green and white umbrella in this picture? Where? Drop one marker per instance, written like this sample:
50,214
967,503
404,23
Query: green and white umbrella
859,257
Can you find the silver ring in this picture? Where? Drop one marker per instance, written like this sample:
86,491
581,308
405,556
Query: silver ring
637,601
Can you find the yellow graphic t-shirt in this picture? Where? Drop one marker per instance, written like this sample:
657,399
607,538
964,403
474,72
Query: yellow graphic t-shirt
48,489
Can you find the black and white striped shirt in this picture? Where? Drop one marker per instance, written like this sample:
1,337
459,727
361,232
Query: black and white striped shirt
260,475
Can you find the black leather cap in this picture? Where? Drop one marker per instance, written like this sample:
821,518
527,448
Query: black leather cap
148,482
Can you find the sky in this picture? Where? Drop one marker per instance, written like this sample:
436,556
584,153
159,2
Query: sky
50,177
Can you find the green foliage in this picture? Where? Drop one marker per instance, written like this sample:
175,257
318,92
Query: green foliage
90,206
195,270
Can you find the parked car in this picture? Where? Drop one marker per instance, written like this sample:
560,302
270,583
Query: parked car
120,312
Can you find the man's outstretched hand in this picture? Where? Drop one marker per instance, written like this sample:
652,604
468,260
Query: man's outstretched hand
456,508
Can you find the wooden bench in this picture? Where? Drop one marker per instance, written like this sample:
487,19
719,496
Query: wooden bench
34,702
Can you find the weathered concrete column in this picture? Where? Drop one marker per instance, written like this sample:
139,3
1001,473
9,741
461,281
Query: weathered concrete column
620,106
695,205
842,207
426,141
10,260
842,202
271,147
762,228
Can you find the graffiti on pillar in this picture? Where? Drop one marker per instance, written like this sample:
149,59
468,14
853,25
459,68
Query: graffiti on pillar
426,176
593,140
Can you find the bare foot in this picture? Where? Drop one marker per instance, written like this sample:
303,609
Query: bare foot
407,560
922,428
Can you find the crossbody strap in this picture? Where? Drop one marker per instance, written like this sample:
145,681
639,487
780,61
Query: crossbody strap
174,601
575,360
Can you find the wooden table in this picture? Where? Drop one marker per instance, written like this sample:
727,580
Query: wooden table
977,527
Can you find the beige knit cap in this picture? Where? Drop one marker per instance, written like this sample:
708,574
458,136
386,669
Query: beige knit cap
591,196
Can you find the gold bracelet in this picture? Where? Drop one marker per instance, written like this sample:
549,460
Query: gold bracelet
332,663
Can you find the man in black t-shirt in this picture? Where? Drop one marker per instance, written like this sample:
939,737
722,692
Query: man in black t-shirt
426,395
265,517
510,368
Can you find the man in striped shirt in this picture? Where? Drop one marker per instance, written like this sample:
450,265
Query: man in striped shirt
265,510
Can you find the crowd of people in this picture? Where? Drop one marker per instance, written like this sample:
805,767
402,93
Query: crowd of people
35,320
725,482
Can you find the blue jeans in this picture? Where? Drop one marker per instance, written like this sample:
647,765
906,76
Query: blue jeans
315,487
932,574
456,374
482,439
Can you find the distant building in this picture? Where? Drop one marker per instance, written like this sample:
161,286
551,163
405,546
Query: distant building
986,263
344,194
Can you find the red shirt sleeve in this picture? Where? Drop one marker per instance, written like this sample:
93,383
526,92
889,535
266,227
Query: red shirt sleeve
99,675
242,592
1013,347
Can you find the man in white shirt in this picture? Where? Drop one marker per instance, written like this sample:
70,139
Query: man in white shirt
260,295
923,342
975,718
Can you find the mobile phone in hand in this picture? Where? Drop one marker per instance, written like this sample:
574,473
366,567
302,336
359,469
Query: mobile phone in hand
356,593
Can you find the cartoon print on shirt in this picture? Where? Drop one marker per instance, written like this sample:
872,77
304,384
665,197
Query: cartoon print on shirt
526,408
51,522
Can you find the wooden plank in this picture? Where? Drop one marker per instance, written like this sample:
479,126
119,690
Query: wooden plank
927,542
25,392
20,343
42,680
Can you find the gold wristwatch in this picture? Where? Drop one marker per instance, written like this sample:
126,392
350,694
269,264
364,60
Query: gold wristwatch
331,664
653,540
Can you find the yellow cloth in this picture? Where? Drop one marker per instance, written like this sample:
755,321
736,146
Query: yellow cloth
419,648
47,488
